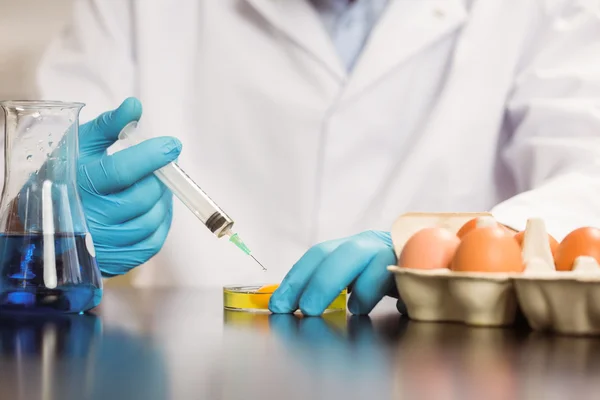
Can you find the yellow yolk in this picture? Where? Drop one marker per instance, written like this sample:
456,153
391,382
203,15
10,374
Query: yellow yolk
268,288
263,295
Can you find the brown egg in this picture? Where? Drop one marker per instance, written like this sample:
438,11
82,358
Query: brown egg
581,242
472,224
553,242
488,249
466,228
429,248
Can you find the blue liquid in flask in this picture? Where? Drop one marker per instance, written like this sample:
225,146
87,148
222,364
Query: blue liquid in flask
22,287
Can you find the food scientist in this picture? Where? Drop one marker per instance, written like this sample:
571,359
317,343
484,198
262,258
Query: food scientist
315,124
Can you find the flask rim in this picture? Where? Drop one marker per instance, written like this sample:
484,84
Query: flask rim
33,104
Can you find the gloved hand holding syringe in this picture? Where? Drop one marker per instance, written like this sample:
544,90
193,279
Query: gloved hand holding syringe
192,196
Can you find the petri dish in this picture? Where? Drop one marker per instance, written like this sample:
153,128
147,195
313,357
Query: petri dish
255,298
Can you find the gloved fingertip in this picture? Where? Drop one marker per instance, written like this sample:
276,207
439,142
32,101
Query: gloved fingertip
172,148
280,302
279,306
356,308
131,107
310,307
110,123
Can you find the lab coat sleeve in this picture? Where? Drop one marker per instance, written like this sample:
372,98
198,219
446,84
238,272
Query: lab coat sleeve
92,60
553,114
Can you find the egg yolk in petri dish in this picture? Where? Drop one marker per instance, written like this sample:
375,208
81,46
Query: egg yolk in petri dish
262,296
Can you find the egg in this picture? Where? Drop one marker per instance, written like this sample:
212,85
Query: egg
261,297
473,224
488,249
467,227
429,248
553,242
268,288
581,242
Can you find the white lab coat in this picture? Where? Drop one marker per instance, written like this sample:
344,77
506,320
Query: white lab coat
453,106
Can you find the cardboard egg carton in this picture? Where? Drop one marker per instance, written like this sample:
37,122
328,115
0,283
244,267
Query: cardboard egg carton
566,302
441,295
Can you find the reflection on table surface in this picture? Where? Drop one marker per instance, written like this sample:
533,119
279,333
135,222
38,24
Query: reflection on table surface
73,357
167,344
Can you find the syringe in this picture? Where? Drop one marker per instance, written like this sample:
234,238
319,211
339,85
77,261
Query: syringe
192,196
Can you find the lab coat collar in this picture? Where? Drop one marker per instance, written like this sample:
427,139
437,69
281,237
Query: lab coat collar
404,29
301,24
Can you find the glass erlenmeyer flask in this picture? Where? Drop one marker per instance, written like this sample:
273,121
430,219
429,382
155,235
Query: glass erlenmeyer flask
47,257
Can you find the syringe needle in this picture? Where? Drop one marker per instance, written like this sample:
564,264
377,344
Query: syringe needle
235,239
258,262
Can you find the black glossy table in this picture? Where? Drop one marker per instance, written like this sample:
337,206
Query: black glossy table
181,344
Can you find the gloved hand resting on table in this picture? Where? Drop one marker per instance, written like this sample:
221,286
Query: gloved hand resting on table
128,210
359,262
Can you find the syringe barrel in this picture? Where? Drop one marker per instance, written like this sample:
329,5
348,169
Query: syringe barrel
190,194
194,198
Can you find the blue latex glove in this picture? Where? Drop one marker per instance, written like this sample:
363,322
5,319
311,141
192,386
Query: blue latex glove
359,261
128,210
